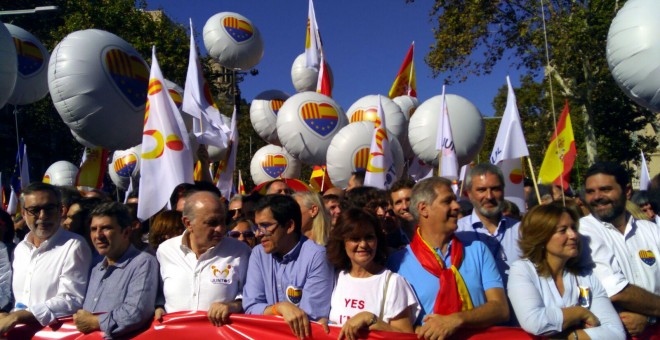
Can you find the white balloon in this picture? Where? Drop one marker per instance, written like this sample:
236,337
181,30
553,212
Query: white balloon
271,162
407,104
633,51
305,79
467,127
306,124
8,65
176,92
61,173
366,109
349,152
233,40
263,114
32,76
124,166
98,83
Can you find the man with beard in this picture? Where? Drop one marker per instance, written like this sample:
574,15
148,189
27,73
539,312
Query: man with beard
487,223
623,249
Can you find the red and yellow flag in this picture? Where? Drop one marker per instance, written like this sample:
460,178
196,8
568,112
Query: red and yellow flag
561,153
404,83
320,181
92,170
241,186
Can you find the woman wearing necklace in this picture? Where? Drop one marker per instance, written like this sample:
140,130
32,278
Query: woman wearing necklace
366,294
551,292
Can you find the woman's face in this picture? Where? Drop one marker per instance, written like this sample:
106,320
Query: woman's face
243,233
564,242
362,251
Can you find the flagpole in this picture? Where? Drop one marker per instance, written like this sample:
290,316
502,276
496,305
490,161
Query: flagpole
18,142
412,67
323,179
536,186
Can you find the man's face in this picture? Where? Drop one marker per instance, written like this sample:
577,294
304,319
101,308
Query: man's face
401,205
334,208
108,237
206,225
278,187
73,221
605,197
487,195
42,213
235,209
443,211
648,210
274,234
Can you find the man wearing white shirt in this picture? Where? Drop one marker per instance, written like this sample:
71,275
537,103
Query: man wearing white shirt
623,249
202,269
51,265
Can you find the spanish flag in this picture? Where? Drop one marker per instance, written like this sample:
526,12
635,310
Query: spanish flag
404,83
241,186
561,153
92,170
320,181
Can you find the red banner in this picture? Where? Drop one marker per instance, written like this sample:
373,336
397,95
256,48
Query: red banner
195,325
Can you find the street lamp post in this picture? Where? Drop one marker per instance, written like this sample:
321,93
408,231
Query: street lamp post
35,10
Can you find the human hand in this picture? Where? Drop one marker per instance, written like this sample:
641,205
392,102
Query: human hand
218,314
439,326
589,319
352,327
85,321
296,318
7,323
634,323
158,314
324,324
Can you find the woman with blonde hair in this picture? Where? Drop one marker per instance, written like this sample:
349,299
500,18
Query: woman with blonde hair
550,290
316,220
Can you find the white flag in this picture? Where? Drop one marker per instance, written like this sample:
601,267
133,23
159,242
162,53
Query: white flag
514,187
208,127
444,143
226,180
418,170
644,177
166,159
313,40
510,142
380,166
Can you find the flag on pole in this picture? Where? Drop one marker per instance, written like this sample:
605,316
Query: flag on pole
226,179
323,85
241,185
644,177
444,144
419,170
208,127
509,148
313,40
405,82
166,157
320,180
380,166
561,153
20,178
92,170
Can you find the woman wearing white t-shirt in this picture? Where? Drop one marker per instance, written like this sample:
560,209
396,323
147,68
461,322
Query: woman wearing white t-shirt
366,294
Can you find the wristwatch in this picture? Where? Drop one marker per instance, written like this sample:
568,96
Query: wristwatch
652,320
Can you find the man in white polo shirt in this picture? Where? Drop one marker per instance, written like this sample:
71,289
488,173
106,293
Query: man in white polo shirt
202,269
624,250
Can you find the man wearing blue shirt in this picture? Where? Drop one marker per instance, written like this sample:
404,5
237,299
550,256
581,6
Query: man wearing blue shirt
288,274
473,295
485,186
122,288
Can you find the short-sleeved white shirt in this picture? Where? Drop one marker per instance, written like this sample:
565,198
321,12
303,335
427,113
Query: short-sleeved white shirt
194,284
620,259
353,295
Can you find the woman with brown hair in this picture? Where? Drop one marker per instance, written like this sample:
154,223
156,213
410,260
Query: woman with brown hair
366,294
550,290
165,225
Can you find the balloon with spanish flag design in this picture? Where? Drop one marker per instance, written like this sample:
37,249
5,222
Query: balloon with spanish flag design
32,77
263,114
233,40
272,162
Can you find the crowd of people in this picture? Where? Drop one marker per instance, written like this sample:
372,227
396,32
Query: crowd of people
413,259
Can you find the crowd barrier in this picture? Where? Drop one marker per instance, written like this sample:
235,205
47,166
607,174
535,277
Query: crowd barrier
195,325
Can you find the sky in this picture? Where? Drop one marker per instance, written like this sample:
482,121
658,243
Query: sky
365,42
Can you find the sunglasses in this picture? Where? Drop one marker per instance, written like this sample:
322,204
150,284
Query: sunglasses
237,234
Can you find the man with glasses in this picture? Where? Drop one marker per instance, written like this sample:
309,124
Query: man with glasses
50,265
202,269
289,274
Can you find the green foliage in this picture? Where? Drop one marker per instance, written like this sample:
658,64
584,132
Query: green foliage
472,36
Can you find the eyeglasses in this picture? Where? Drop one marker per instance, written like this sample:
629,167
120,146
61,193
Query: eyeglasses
235,211
237,234
263,228
36,211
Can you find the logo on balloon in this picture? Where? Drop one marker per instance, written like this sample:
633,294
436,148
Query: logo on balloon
275,105
274,165
124,166
321,118
176,97
368,115
360,159
46,179
516,176
30,58
239,30
129,73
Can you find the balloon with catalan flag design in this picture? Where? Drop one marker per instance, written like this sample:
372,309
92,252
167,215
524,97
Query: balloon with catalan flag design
272,162
365,109
233,40
263,114
305,78
61,173
8,65
125,165
32,77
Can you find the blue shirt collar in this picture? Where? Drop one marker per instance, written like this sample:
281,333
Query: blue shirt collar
123,261
292,255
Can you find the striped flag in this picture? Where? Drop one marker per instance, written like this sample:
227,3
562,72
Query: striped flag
319,180
241,185
380,166
92,170
312,40
405,82
561,153
644,177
